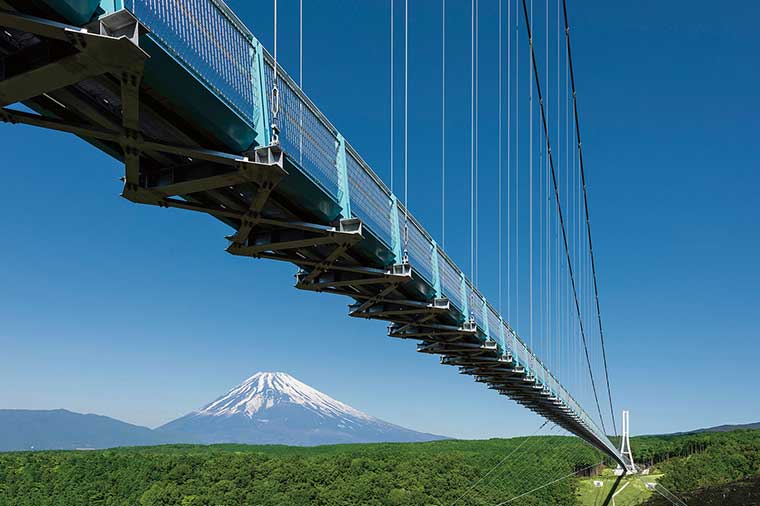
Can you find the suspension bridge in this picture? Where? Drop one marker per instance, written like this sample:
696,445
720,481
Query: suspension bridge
206,120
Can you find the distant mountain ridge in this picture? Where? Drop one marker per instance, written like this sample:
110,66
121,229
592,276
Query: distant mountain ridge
267,408
717,428
276,408
729,428
59,429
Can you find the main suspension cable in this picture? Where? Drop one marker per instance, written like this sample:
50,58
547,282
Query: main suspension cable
588,221
558,264
547,249
559,206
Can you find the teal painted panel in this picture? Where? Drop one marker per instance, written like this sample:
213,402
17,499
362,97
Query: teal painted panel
109,6
305,195
205,36
76,12
344,196
193,100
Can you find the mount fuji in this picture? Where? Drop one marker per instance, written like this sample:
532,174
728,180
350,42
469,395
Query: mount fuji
276,408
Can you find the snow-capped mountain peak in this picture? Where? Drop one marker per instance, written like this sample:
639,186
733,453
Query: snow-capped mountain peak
276,408
266,390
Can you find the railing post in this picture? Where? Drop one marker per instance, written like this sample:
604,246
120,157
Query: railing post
501,335
486,325
344,197
111,6
395,230
515,354
465,299
436,273
258,82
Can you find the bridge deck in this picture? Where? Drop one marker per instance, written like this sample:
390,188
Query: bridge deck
188,116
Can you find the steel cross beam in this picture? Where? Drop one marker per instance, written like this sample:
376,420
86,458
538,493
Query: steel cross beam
94,54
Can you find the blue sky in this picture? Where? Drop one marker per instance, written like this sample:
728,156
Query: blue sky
137,313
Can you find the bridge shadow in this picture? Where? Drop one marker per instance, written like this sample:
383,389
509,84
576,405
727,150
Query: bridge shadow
615,486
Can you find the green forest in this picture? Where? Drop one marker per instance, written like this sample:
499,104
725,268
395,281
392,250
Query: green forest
541,470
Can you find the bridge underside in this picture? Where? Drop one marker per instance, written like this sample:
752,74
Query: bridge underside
91,85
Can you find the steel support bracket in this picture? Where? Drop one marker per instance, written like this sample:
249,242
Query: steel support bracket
94,55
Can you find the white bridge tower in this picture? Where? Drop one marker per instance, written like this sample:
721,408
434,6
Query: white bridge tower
625,442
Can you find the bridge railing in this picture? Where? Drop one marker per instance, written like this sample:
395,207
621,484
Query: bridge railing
207,37
216,47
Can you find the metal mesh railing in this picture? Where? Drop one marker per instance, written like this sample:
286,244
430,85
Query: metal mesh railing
451,283
368,200
205,38
513,346
304,136
476,306
420,252
494,328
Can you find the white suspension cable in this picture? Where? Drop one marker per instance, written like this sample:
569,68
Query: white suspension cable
392,88
517,168
578,252
499,186
472,143
544,192
443,124
568,328
574,211
509,156
477,143
541,289
300,44
300,80
530,186
406,131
